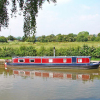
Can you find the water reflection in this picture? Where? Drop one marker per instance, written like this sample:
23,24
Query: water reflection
84,75
55,75
68,74
47,84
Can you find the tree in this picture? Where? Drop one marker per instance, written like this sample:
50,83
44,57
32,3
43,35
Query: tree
82,36
98,35
59,37
50,38
39,39
11,38
19,38
31,39
24,38
3,13
28,7
43,38
71,37
97,38
3,39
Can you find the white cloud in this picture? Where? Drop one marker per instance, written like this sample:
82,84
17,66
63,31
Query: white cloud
88,17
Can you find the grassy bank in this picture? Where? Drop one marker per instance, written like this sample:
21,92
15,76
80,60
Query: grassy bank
95,59
49,44
7,50
5,57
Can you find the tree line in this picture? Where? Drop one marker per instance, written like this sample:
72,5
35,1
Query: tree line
80,37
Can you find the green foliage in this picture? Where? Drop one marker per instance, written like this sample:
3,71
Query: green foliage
19,38
6,52
98,35
49,51
41,51
85,50
82,36
24,38
93,38
29,9
30,51
97,38
61,52
71,37
31,39
4,18
97,53
59,38
3,39
11,38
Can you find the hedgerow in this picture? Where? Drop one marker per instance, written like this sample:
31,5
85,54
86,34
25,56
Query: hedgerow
32,51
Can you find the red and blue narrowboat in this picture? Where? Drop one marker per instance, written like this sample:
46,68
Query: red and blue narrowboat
80,62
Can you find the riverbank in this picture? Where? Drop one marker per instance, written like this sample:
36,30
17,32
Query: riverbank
2,61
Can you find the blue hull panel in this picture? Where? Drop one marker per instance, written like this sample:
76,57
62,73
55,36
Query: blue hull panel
78,66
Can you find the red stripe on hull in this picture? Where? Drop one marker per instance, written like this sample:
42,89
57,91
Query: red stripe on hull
56,60
27,60
83,60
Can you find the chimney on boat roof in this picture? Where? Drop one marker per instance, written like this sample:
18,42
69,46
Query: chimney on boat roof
54,51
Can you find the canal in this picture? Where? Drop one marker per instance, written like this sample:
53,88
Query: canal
49,84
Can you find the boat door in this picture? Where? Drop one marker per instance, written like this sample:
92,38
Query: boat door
74,60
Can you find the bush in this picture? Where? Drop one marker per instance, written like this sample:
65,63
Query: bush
31,51
41,51
3,39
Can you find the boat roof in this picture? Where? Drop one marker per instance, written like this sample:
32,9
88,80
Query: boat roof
52,57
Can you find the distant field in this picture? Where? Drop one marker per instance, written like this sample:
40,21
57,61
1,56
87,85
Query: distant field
49,44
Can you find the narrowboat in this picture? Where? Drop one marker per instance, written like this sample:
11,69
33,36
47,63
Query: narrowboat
79,62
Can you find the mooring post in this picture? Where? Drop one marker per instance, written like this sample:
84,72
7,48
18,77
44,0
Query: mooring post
54,51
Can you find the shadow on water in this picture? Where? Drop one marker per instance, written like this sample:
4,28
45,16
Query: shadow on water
72,74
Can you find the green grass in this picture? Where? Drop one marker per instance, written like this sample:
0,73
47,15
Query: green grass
37,45
49,44
5,57
95,59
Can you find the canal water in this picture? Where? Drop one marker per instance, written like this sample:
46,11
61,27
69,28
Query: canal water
47,84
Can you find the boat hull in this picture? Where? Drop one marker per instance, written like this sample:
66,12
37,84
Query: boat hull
74,66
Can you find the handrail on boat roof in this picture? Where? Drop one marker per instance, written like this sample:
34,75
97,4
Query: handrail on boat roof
51,56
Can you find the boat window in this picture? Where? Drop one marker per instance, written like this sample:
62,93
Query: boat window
79,60
64,60
20,60
31,60
50,60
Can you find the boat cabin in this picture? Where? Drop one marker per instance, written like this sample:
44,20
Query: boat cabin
57,59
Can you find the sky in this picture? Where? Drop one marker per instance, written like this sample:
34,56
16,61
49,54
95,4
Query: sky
63,17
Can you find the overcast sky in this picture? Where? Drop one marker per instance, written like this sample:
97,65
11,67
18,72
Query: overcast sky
66,16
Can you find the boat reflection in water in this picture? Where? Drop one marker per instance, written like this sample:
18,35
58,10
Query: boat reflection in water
71,75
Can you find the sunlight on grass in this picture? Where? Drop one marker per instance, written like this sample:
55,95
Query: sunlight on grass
49,44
